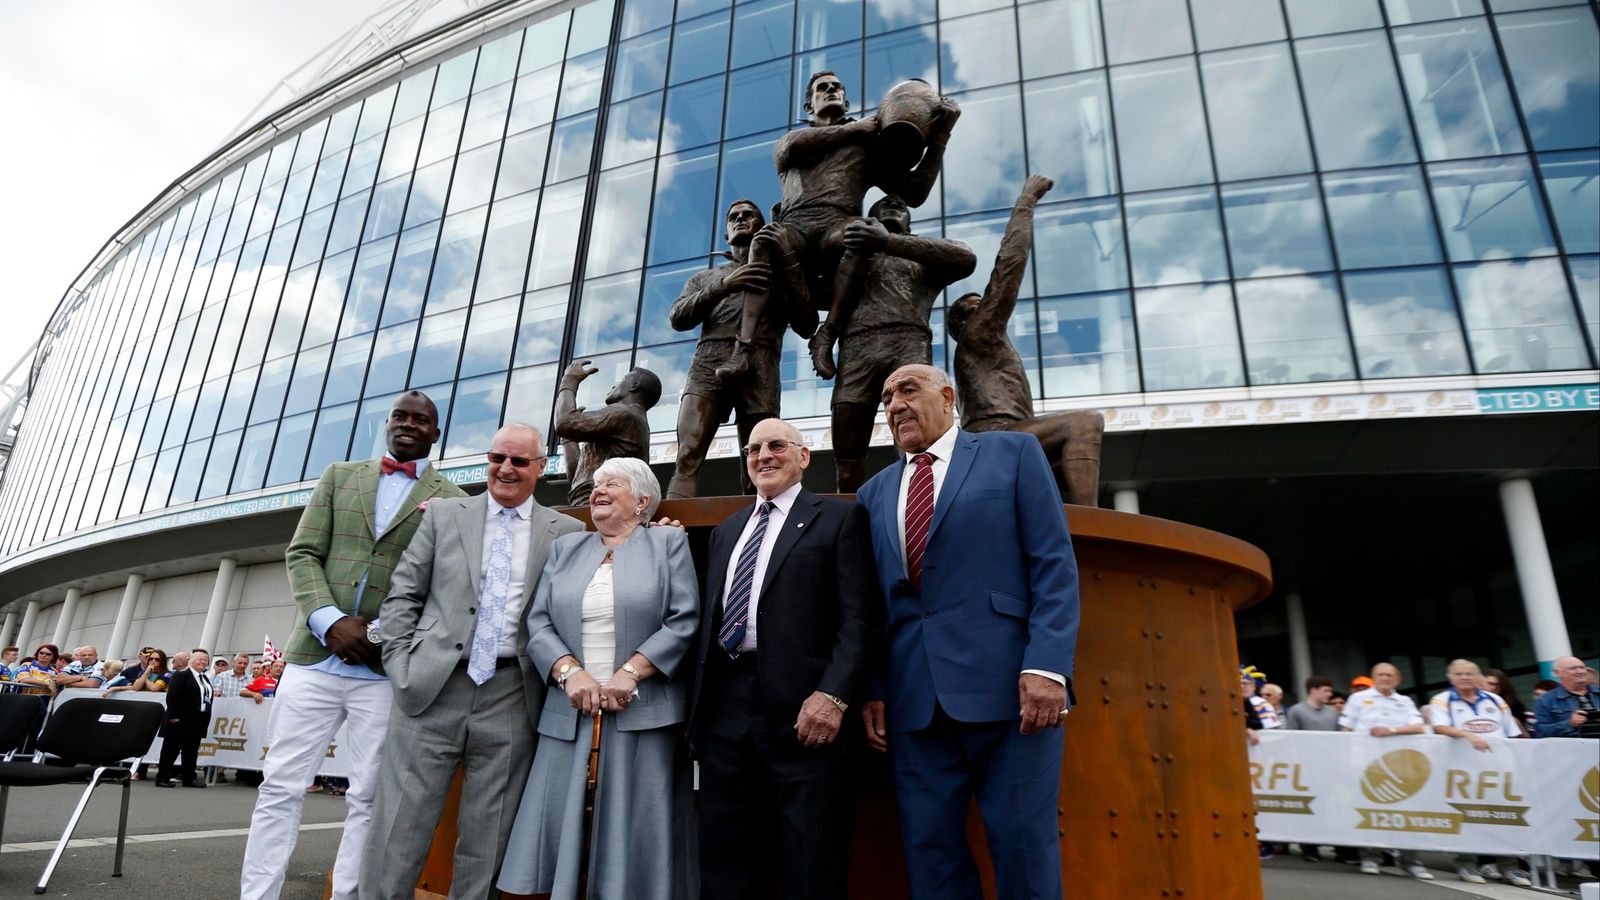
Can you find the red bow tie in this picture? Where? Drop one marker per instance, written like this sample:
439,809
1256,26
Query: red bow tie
390,467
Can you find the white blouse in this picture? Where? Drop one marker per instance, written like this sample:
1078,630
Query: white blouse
599,626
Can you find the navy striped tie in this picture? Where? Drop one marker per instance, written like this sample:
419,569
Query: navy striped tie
736,610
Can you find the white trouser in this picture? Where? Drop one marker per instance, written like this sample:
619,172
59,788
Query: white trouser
307,709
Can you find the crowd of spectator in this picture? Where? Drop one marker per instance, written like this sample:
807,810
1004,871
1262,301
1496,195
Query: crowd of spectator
1479,707
47,670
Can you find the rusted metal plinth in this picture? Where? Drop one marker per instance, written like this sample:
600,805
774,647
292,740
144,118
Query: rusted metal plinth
1155,796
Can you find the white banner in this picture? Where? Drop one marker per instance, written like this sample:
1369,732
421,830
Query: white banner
1428,792
239,734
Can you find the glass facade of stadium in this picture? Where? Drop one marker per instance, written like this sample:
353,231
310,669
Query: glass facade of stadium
1254,198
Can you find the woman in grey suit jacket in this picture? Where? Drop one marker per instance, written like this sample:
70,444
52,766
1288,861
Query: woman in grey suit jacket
612,621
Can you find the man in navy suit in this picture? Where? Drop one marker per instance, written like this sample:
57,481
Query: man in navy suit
981,587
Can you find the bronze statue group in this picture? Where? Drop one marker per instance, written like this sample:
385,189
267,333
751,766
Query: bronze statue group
574,675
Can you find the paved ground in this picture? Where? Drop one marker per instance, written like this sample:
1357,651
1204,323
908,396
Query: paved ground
188,843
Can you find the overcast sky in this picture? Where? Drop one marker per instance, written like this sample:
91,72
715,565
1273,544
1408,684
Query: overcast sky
106,102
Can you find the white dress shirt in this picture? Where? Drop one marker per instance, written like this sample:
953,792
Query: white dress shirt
781,505
942,449
521,535
1368,709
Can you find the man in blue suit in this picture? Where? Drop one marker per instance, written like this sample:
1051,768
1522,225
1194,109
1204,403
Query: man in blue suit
977,571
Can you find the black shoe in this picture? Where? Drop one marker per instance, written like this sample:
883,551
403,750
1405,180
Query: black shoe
194,784
169,783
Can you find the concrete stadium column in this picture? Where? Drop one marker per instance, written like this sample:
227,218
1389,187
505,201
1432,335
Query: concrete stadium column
1299,644
1535,575
69,610
219,599
1126,500
7,631
119,631
30,616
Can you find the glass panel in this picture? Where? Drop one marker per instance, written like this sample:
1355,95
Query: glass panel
497,62
641,65
388,204
490,332
457,261
455,78
1235,23
662,285
982,233
1188,338
977,51
699,48
186,483
824,22
534,102
1519,317
486,116
330,439
1555,63
405,288
1402,12
364,162
1380,218
505,248
345,372
428,193
1077,247
391,358
237,402
289,456
475,415
544,43
522,167
892,58
1145,29
639,16
1573,182
369,437
1490,209
532,396
671,364
1161,132
1308,17
306,386
611,367
544,316
1294,330
694,113
684,221
1586,278
474,178
574,147
631,131
1175,238
438,345
161,479
555,240
580,86
985,174
270,390
253,453
224,450
1256,123
747,173
1405,323
1275,228
758,100
1088,345
883,17
606,314
762,30
1059,36
1457,93
1353,97
688,9
1069,134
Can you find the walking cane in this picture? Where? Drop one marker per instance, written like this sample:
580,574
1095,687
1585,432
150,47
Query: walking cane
588,808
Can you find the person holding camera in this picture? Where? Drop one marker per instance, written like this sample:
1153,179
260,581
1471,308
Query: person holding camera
1569,710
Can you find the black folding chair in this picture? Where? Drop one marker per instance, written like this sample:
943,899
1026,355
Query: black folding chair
93,739
20,717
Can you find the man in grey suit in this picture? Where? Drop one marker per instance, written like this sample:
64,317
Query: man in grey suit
453,635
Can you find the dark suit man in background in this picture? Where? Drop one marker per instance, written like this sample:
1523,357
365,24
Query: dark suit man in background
787,640
188,714
981,585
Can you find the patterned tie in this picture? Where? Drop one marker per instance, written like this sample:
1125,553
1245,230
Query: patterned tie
492,602
919,513
737,607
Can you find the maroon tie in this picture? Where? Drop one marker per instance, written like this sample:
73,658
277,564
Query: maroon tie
919,514
390,467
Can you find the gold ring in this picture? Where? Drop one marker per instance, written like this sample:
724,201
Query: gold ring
1064,711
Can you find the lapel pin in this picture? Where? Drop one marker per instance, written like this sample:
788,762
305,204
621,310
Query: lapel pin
799,524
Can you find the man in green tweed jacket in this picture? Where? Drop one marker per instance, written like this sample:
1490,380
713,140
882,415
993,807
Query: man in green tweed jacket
352,534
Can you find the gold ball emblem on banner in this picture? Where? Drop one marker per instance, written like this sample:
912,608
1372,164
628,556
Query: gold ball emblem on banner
1589,790
1395,776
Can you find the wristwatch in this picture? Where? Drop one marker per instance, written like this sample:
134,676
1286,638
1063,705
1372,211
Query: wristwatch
566,671
629,668
843,706
374,633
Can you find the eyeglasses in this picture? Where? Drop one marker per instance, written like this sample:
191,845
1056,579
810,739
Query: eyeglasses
520,462
778,446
